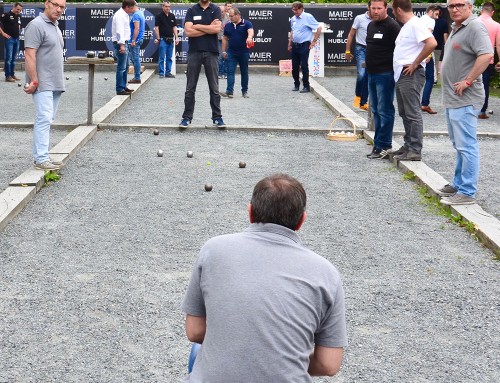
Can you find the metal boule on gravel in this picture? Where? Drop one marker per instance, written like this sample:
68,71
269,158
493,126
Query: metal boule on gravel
208,187
490,112
242,164
105,79
190,154
19,84
159,153
156,132
67,78
79,77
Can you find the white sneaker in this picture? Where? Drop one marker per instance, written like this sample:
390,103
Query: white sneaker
47,165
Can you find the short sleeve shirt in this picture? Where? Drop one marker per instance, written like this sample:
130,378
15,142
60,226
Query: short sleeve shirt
46,37
380,43
461,50
166,24
302,27
237,35
360,24
138,17
197,15
11,24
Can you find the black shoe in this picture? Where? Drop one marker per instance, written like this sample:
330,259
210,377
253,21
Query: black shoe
123,93
379,154
170,75
295,89
305,90
400,151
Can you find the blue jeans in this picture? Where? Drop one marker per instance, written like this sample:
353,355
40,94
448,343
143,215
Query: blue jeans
11,50
165,57
222,62
300,60
135,57
121,68
429,83
46,104
210,61
232,60
381,91
462,128
362,77
487,74
195,348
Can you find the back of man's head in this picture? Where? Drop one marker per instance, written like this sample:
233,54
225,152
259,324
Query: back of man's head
128,3
488,7
279,199
404,5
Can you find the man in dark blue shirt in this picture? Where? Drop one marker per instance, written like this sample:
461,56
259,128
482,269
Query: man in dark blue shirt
238,38
201,25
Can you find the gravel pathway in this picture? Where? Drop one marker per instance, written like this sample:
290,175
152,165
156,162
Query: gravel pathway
93,271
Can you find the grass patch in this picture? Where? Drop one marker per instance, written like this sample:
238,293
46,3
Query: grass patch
409,176
51,176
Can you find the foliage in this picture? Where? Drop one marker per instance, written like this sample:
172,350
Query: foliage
51,176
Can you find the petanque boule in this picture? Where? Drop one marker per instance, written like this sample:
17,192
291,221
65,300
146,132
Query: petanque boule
490,112
19,84
79,77
105,79
67,78
159,153
208,187
156,132
190,154
242,164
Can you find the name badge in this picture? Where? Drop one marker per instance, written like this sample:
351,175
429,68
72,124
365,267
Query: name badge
197,18
378,35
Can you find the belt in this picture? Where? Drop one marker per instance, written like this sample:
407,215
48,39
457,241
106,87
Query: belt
361,45
300,44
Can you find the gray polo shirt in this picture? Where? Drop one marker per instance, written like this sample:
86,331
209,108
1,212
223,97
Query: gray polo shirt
46,37
460,53
267,300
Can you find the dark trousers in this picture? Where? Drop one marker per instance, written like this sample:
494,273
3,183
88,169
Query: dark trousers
210,61
300,58
486,83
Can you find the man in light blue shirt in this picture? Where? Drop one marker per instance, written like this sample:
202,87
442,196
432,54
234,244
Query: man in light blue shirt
301,41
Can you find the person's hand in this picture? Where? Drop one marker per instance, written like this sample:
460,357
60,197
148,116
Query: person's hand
428,59
177,41
6,35
461,86
122,49
497,67
32,87
349,56
289,47
132,44
224,55
157,41
408,70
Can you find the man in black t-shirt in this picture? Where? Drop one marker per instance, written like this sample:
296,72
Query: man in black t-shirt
11,25
201,25
380,42
166,37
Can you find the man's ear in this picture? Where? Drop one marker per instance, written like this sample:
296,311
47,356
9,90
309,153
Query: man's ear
301,221
250,214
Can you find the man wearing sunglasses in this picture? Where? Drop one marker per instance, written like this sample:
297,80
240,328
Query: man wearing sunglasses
467,53
43,43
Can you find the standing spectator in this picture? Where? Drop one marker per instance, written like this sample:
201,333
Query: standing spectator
43,43
414,44
166,37
429,19
467,54
10,26
358,29
220,35
441,35
137,29
264,307
380,42
201,25
493,29
120,30
301,41
238,36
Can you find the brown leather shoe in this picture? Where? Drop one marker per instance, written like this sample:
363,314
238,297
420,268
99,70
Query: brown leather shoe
134,81
9,79
483,116
16,78
427,109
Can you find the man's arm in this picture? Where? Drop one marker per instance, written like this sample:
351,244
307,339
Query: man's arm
325,361
479,67
137,25
430,45
197,30
250,36
225,42
176,36
350,36
196,328
290,41
30,62
316,36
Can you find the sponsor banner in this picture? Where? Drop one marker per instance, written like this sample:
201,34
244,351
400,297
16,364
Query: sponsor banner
87,27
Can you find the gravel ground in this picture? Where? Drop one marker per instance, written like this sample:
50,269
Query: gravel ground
342,87
93,271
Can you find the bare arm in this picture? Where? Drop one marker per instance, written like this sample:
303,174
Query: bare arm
290,41
316,36
348,44
136,32
225,41
176,36
430,45
197,30
250,36
30,61
479,67
325,361
196,328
